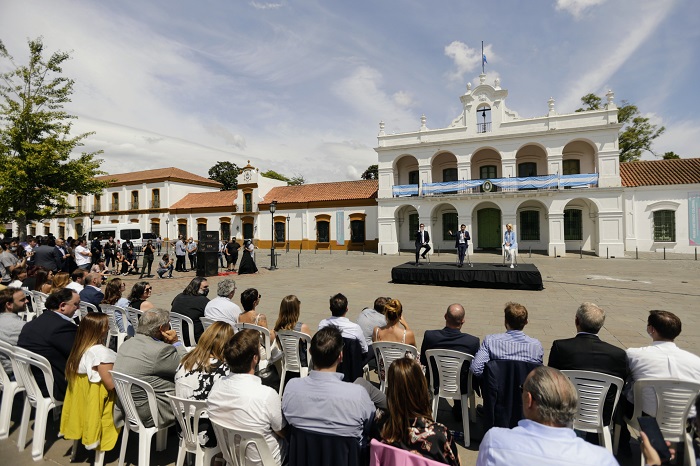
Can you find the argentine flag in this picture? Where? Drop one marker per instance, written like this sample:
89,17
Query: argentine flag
483,59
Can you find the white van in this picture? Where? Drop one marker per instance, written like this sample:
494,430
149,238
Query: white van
122,232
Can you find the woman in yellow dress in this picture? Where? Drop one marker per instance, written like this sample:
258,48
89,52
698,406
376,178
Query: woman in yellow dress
87,409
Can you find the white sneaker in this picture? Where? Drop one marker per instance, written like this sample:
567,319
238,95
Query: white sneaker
511,266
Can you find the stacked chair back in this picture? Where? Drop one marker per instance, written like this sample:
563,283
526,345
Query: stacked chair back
387,352
291,343
236,444
188,413
9,389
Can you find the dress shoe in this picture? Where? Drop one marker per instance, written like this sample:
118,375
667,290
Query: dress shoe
423,256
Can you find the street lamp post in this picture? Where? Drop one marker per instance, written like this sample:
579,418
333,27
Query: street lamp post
167,235
273,208
288,232
92,217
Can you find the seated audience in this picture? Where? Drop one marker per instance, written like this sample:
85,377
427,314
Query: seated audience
240,401
322,402
165,265
372,317
100,268
587,352
191,303
138,297
513,344
393,311
121,267
452,338
250,299
43,280
662,360
51,335
60,280
408,424
113,295
77,280
222,308
87,410
339,309
12,302
288,318
153,355
545,436
18,274
92,293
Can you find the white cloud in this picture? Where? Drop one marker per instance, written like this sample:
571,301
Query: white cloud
576,7
231,139
680,137
466,59
266,6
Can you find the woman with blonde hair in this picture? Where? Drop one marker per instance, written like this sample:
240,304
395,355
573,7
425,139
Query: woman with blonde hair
89,402
393,312
60,281
408,424
288,319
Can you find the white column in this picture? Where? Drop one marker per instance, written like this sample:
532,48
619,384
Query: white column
556,235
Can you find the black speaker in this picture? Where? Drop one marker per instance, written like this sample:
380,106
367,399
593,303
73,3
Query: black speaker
208,247
207,264
209,236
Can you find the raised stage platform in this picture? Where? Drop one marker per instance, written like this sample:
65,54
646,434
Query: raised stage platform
522,277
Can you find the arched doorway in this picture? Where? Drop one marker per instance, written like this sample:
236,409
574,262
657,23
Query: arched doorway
488,221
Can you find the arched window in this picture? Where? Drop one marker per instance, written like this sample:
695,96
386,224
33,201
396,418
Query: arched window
529,225
323,228
665,226
573,225
134,200
115,202
483,118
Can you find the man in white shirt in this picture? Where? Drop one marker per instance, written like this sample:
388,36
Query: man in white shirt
78,280
82,255
241,401
662,360
545,436
222,308
339,308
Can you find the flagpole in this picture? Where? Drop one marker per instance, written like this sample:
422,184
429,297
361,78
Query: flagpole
482,57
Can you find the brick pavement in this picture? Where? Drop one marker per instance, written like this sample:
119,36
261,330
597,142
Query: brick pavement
626,288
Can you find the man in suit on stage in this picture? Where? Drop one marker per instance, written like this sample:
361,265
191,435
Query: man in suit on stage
422,242
51,335
461,242
587,352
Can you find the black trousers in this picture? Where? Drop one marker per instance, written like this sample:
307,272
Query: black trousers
461,252
180,263
425,246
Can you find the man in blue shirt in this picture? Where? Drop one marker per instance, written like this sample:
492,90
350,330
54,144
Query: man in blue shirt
322,402
545,436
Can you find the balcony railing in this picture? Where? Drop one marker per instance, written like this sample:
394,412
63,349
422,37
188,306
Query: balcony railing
586,180
483,127
155,204
134,205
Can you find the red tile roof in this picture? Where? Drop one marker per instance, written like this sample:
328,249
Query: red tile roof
339,191
158,174
660,172
205,200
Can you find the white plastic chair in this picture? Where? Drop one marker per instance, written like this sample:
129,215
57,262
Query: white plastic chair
514,253
38,302
234,444
24,360
449,369
206,322
389,351
176,321
134,315
10,388
123,384
114,331
592,388
28,314
187,413
265,334
290,343
674,400
85,308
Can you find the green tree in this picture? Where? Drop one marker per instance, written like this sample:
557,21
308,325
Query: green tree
296,180
225,173
372,173
38,168
671,155
638,133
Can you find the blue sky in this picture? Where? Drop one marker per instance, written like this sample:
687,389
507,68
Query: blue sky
300,86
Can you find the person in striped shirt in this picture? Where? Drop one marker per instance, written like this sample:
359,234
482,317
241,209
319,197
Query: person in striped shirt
513,344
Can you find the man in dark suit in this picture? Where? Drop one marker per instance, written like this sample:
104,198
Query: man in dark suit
422,242
44,255
587,352
51,335
92,293
461,242
452,338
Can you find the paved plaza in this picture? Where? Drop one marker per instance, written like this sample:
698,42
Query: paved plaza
626,288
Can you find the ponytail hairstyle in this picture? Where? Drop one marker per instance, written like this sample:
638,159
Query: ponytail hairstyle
393,311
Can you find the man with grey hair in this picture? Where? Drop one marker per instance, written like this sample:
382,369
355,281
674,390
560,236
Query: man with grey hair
152,356
222,308
545,436
587,352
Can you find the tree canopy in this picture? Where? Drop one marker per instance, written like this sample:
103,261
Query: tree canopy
38,168
296,180
638,133
225,173
372,173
